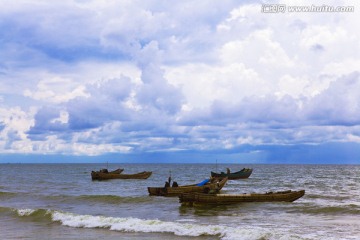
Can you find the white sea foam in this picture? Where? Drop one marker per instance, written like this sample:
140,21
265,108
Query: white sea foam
135,224
186,220
158,226
25,212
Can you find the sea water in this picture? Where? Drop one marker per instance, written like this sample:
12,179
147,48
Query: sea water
60,201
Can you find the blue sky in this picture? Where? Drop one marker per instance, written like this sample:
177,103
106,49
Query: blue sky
185,81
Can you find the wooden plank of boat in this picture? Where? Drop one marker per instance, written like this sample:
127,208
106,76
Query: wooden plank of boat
105,170
118,171
107,176
243,173
224,199
215,186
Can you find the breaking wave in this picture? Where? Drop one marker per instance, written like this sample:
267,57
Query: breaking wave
179,228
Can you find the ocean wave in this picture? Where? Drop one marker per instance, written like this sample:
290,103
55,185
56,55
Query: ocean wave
152,225
4,210
110,199
329,197
7,194
349,209
114,199
25,212
36,215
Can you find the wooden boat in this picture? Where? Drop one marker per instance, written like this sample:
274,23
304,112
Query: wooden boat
118,171
104,170
224,199
107,176
243,173
94,174
210,186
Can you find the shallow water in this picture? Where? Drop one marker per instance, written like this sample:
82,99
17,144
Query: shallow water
59,201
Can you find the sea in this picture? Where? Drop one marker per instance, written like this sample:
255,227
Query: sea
60,201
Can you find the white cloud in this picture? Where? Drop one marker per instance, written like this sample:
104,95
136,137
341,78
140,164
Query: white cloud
203,84
88,77
56,90
15,123
257,50
288,85
96,149
339,104
352,138
336,68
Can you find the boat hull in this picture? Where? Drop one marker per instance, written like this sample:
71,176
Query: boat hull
177,191
244,173
108,176
226,199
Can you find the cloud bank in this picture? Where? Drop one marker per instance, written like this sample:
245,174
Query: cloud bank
94,77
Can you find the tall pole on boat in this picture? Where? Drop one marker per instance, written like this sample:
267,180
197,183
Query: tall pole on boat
169,176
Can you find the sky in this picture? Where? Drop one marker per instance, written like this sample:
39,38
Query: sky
179,81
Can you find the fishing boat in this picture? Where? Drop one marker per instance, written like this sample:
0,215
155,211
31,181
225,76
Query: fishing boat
243,173
118,171
105,170
107,176
206,186
191,199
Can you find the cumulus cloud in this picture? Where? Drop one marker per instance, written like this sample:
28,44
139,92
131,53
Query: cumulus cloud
155,90
90,77
55,90
46,121
339,104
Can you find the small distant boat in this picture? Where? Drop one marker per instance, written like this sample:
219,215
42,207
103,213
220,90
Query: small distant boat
106,176
204,187
243,173
225,199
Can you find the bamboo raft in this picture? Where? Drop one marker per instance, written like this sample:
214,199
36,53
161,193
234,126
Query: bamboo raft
107,176
191,199
213,186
